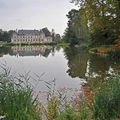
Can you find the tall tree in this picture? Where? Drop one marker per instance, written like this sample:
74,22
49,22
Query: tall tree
103,18
76,28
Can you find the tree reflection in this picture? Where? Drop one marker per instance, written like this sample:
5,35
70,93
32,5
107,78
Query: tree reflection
80,63
102,68
86,66
4,51
77,62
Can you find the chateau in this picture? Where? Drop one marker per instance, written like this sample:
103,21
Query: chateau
30,36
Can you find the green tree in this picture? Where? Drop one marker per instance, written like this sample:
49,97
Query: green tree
70,36
5,36
103,19
46,31
76,31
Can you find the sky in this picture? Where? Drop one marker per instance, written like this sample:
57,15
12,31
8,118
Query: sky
34,14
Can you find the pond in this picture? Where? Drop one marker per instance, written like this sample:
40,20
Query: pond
69,67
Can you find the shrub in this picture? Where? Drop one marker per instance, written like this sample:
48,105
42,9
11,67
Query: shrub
102,37
107,101
114,54
68,114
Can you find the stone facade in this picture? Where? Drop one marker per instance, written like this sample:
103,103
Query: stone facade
30,36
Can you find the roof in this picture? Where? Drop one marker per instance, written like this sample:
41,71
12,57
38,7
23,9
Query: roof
46,32
28,32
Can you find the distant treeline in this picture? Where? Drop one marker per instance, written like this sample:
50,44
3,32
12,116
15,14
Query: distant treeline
5,36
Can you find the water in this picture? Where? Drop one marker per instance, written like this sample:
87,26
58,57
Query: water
70,67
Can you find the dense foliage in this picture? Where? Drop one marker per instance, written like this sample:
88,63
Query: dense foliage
115,55
102,18
107,100
76,32
5,36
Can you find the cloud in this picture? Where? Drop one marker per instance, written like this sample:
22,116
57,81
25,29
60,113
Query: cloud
34,14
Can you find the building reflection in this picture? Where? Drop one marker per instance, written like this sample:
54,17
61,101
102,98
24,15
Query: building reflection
27,50
31,50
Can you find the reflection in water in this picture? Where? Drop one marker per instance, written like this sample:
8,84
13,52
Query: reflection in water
86,66
27,50
31,50
4,51
70,64
77,62
37,60
102,68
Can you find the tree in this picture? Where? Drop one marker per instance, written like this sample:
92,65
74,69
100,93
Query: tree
5,36
57,38
46,31
76,31
103,17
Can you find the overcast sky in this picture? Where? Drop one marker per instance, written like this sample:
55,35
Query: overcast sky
34,14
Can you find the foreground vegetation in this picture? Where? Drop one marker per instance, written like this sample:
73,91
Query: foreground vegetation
95,23
17,101
16,98
107,100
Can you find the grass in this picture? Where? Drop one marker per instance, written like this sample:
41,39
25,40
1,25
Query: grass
16,99
68,114
13,44
107,100
63,44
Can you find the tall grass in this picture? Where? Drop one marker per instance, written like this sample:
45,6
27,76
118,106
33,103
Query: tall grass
60,108
68,114
107,101
16,99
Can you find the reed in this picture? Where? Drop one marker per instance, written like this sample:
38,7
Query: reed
16,99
